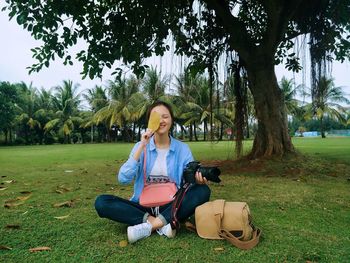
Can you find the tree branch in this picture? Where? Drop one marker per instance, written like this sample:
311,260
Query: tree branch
279,14
238,36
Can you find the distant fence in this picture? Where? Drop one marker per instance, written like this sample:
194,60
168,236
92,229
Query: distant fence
339,133
328,133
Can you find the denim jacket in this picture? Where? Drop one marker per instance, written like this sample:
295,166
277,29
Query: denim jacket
178,157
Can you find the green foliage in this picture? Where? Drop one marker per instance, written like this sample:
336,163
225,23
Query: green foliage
289,92
132,31
326,102
8,98
65,104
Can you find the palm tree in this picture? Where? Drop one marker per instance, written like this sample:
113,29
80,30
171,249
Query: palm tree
97,98
289,91
199,112
187,88
27,109
44,114
154,85
66,102
326,102
126,106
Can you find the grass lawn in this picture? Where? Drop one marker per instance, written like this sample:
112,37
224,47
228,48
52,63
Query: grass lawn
47,193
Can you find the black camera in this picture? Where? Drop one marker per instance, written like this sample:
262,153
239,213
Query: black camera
211,173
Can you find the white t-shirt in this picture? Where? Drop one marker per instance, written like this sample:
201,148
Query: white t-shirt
160,168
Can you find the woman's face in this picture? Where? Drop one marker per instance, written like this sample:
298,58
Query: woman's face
165,119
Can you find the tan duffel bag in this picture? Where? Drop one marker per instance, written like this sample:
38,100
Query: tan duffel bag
219,219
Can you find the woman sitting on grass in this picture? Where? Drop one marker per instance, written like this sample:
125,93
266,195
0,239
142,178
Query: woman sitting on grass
167,157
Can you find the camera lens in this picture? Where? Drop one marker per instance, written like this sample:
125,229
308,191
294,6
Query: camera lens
211,173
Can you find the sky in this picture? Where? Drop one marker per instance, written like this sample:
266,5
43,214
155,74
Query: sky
15,57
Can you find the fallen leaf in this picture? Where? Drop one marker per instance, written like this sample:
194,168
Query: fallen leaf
9,181
61,217
66,204
61,190
12,203
219,249
23,198
37,249
5,247
123,243
2,188
13,226
68,171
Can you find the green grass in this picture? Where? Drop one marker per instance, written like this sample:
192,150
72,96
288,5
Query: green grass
302,205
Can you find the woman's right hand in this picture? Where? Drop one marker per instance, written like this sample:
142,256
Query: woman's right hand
145,137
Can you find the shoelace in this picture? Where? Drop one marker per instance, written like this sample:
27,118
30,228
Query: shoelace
155,212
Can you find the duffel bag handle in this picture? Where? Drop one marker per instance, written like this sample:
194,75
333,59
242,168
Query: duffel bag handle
224,233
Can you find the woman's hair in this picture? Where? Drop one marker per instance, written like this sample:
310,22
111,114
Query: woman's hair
160,103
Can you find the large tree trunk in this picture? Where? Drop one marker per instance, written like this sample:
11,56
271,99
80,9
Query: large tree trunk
272,137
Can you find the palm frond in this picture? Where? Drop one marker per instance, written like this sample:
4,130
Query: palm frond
51,124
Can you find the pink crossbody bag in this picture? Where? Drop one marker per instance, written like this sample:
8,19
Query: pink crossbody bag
156,194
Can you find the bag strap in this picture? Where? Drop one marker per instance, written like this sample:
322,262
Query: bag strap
218,208
179,196
224,233
144,166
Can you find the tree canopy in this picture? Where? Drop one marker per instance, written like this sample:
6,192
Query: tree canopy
133,30
260,31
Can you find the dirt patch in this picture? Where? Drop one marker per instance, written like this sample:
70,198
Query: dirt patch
237,166
291,167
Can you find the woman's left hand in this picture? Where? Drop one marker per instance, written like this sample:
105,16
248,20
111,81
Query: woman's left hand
200,179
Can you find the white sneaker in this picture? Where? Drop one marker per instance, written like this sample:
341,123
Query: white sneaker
167,231
139,231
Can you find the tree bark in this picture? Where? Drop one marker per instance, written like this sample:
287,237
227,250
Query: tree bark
205,129
195,131
6,136
190,132
323,134
272,136
221,131
10,132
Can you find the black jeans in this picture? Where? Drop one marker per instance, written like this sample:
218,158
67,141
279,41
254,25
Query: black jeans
132,213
